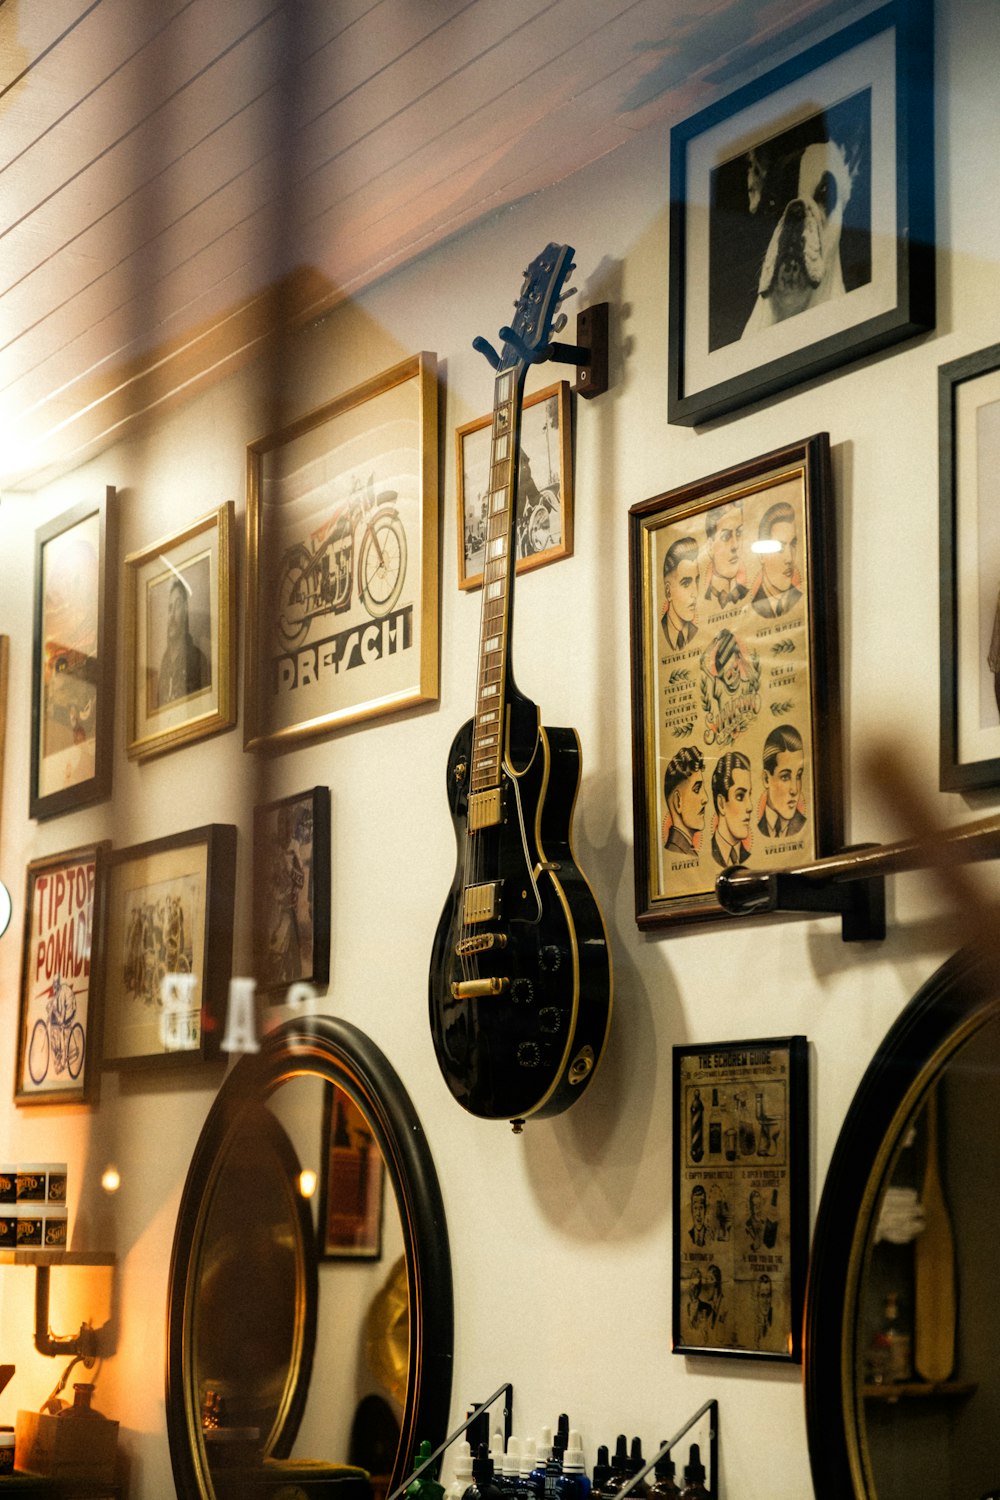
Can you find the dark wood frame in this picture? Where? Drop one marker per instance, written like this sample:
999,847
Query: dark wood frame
914,309
336,1052
96,788
325,1249
319,974
219,842
561,391
89,1090
751,1066
956,775
203,720
810,459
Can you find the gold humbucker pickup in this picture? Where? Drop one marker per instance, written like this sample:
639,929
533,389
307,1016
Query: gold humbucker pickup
479,944
477,989
484,809
481,902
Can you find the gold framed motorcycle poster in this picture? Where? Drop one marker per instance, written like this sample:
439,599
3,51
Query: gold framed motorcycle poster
342,505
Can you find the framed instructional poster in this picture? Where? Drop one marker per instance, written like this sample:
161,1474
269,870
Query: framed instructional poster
741,1197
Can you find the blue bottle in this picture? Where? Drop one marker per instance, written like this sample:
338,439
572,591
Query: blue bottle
573,1483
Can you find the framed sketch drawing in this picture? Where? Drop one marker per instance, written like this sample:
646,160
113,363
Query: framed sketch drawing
291,864
72,688
352,1185
180,614
735,703
969,458
741,1198
544,521
342,561
169,948
58,1049
802,216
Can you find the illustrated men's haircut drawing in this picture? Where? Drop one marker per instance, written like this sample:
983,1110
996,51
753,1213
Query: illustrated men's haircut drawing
785,738
714,518
725,774
781,512
685,549
687,762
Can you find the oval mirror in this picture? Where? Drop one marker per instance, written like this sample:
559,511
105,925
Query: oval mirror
310,1305
901,1376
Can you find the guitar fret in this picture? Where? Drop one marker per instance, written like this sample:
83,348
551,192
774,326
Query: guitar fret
501,447
498,546
494,590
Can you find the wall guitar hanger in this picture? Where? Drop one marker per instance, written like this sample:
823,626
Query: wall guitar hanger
589,354
853,882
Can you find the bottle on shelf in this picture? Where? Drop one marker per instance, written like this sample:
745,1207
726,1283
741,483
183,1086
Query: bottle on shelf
664,1486
573,1483
425,1486
897,1340
602,1472
463,1472
635,1463
694,1476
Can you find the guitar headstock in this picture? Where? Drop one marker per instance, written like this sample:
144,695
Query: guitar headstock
536,311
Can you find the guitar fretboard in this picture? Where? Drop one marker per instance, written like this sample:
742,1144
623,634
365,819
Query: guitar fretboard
488,728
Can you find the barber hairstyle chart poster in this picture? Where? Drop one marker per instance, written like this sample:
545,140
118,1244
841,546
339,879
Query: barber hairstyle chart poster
57,1014
739,1197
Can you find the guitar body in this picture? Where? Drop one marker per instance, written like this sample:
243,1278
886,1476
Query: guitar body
531,1048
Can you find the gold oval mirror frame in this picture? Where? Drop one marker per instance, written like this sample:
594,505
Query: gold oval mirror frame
936,1027
244,1286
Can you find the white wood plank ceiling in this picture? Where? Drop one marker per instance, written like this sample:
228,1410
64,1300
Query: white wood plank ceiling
164,162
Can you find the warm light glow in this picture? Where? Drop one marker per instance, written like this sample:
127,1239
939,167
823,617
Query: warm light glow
111,1179
766,544
307,1182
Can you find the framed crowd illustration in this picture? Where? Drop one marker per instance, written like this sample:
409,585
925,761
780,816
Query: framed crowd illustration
342,567
170,906
180,616
735,702
72,682
802,216
741,1197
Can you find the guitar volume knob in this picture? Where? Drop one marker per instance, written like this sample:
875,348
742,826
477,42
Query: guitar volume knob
522,991
529,1054
549,958
549,1018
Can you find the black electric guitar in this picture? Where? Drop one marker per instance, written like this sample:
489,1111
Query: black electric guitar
520,981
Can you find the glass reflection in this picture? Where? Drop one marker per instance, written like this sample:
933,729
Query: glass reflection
928,1323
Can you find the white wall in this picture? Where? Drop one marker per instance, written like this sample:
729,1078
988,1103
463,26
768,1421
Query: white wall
560,1238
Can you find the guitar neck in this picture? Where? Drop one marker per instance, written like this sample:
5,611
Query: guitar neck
498,582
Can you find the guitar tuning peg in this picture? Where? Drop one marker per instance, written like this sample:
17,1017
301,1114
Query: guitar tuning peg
566,295
559,323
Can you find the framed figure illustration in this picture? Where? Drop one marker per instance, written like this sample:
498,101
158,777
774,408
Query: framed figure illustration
544,521
802,216
735,702
170,906
342,575
58,1051
352,1184
291,859
180,612
969,458
72,665
741,1197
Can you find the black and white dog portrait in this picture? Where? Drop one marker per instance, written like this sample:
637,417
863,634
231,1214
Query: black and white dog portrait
809,192
790,222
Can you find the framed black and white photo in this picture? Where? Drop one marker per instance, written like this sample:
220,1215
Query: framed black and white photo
969,456
291,858
741,1197
543,525
802,216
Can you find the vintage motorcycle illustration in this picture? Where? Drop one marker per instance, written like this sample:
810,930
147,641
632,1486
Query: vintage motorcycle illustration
318,578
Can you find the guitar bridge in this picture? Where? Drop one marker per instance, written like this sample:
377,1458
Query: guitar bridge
484,809
479,944
478,989
482,902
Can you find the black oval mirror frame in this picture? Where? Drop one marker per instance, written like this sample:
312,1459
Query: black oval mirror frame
954,1003
339,1053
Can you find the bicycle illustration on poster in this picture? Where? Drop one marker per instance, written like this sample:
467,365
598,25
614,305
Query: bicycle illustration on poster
62,938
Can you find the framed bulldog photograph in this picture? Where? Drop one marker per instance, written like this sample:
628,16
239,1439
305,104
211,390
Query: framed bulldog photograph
342,572
735,698
169,950
802,216
543,525
741,1198
180,615
72,688
59,1031
291,863
969,483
